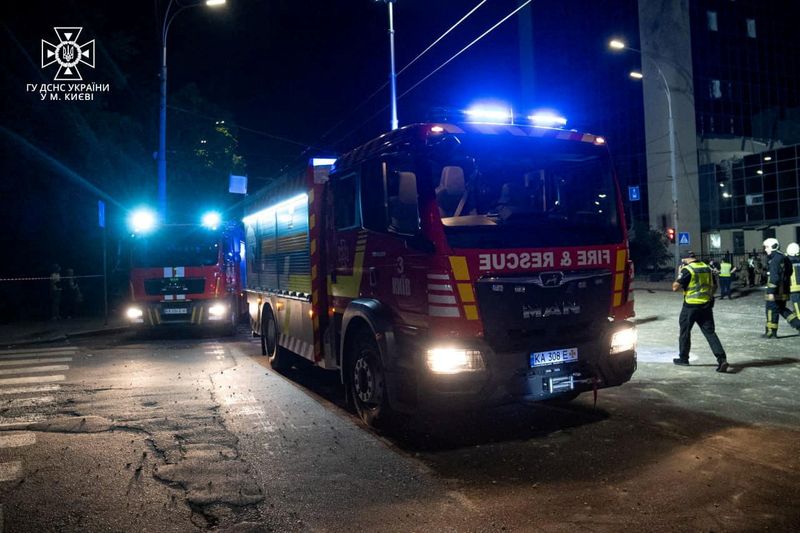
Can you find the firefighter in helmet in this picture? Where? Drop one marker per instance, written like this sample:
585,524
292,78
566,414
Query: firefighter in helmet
793,252
697,282
779,270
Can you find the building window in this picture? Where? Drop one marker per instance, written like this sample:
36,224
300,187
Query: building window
715,89
751,28
711,16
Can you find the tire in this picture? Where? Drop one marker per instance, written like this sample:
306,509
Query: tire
367,383
278,357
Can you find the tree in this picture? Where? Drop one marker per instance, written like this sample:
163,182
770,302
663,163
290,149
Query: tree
648,247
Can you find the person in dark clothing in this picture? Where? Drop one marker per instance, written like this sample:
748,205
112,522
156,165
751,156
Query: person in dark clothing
779,273
55,292
72,294
697,282
751,271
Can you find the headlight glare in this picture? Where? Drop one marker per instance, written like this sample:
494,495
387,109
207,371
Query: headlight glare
133,313
624,340
217,310
454,360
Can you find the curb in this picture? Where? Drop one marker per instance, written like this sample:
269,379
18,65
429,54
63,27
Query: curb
97,332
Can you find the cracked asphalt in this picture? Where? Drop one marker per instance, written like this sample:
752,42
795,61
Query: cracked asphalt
198,433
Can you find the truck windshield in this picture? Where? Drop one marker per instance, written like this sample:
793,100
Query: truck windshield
176,246
502,192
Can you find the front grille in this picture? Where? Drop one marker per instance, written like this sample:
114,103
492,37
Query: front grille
544,310
162,286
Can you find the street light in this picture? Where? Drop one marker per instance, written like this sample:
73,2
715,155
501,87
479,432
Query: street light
392,75
616,44
162,117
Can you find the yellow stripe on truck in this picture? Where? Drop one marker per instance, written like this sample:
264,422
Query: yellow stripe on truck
460,269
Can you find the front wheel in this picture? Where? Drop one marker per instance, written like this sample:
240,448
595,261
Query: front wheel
367,382
278,357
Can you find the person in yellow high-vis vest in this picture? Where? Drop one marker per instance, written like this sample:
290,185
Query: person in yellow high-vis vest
726,270
697,282
793,253
778,288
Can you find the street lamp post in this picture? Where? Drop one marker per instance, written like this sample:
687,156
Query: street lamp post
619,45
392,74
162,108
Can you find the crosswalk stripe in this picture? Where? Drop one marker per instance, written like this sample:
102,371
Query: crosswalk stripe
36,361
40,354
10,471
29,390
17,440
33,369
39,350
20,420
32,379
26,402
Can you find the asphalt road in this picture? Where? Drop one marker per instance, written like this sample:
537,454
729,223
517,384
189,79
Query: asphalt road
119,433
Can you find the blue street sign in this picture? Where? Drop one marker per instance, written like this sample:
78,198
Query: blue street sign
633,193
101,213
683,238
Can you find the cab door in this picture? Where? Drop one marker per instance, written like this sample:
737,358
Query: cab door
395,268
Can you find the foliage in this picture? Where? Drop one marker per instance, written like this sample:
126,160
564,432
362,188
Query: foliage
648,247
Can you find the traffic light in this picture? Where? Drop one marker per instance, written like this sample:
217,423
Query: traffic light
671,235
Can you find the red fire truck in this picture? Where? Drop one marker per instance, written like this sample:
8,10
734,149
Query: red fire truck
442,266
186,274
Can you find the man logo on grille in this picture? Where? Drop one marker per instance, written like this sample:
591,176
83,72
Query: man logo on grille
551,279
68,54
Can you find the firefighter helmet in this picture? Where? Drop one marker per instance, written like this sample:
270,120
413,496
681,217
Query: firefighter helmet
793,249
771,244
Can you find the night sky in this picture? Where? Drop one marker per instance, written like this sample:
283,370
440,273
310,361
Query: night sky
290,77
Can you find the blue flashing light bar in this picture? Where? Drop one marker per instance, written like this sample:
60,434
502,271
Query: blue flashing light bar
212,219
547,118
142,220
291,202
495,115
323,161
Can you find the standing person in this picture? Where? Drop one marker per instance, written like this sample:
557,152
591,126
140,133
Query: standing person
697,282
793,252
759,272
72,294
751,271
779,272
726,269
55,292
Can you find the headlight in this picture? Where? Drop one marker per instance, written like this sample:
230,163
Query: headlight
454,360
217,311
133,313
624,340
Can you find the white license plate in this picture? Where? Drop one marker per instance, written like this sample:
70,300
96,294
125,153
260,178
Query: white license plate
175,311
553,357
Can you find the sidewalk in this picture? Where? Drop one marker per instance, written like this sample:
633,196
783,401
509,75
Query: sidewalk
17,333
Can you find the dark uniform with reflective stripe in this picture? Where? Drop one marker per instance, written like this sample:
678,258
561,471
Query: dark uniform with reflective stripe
698,307
778,284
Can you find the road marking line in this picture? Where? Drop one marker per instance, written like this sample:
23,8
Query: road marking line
33,369
17,440
29,390
40,350
32,379
26,402
10,471
37,354
35,361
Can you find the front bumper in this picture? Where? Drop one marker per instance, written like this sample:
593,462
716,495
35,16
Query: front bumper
181,313
508,377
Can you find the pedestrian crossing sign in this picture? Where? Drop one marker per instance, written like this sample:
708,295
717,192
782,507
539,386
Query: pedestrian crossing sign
683,237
